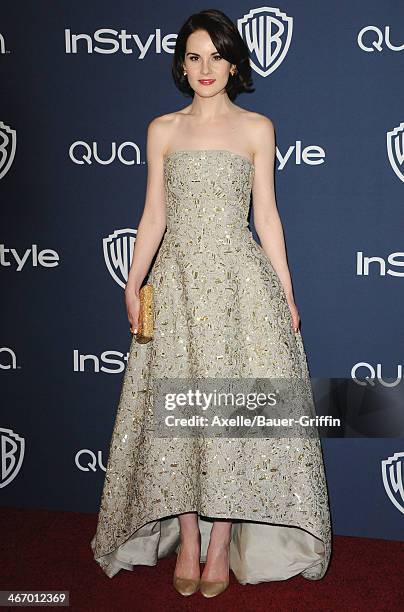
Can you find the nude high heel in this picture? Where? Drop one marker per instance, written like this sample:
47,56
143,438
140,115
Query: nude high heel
212,588
185,586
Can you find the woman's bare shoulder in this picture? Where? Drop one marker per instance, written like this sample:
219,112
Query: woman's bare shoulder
169,118
163,126
258,120
261,132
256,128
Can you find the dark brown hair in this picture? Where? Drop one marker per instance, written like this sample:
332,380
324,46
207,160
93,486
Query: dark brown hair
229,44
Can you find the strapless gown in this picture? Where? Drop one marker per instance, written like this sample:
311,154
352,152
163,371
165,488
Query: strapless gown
220,312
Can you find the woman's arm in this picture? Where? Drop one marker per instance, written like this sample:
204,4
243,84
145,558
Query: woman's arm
153,221
266,217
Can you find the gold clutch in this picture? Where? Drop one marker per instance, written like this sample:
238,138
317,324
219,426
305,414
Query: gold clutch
145,328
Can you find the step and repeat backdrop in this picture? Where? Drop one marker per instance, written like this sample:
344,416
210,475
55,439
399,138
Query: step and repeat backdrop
79,84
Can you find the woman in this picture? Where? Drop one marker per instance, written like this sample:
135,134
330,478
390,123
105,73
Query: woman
224,308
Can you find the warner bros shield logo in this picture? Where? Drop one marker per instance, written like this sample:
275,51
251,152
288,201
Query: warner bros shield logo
12,455
393,479
118,253
395,150
8,145
267,33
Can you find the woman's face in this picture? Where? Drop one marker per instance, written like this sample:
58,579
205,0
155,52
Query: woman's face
202,63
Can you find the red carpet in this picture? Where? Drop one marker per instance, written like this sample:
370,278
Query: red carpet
43,550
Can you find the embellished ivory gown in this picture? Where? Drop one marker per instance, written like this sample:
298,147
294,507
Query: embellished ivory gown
220,311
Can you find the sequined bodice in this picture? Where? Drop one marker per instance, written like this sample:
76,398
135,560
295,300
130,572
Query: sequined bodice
207,192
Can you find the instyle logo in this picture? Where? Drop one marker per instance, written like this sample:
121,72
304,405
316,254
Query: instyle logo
81,152
118,253
395,150
379,265
267,33
107,41
12,455
370,374
393,479
373,38
312,155
33,257
8,359
87,461
8,146
94,364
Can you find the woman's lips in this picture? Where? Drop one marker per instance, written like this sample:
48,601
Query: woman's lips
206,81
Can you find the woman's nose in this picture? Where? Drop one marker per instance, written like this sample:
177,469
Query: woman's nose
205,68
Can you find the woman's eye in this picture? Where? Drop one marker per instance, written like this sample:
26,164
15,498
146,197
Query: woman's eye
195,57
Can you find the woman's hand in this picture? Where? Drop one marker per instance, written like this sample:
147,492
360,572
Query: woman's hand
294,312
132,302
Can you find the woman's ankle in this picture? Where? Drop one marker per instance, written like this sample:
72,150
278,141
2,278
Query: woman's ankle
220,539
190,537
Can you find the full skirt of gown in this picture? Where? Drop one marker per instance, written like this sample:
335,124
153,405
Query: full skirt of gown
220,312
